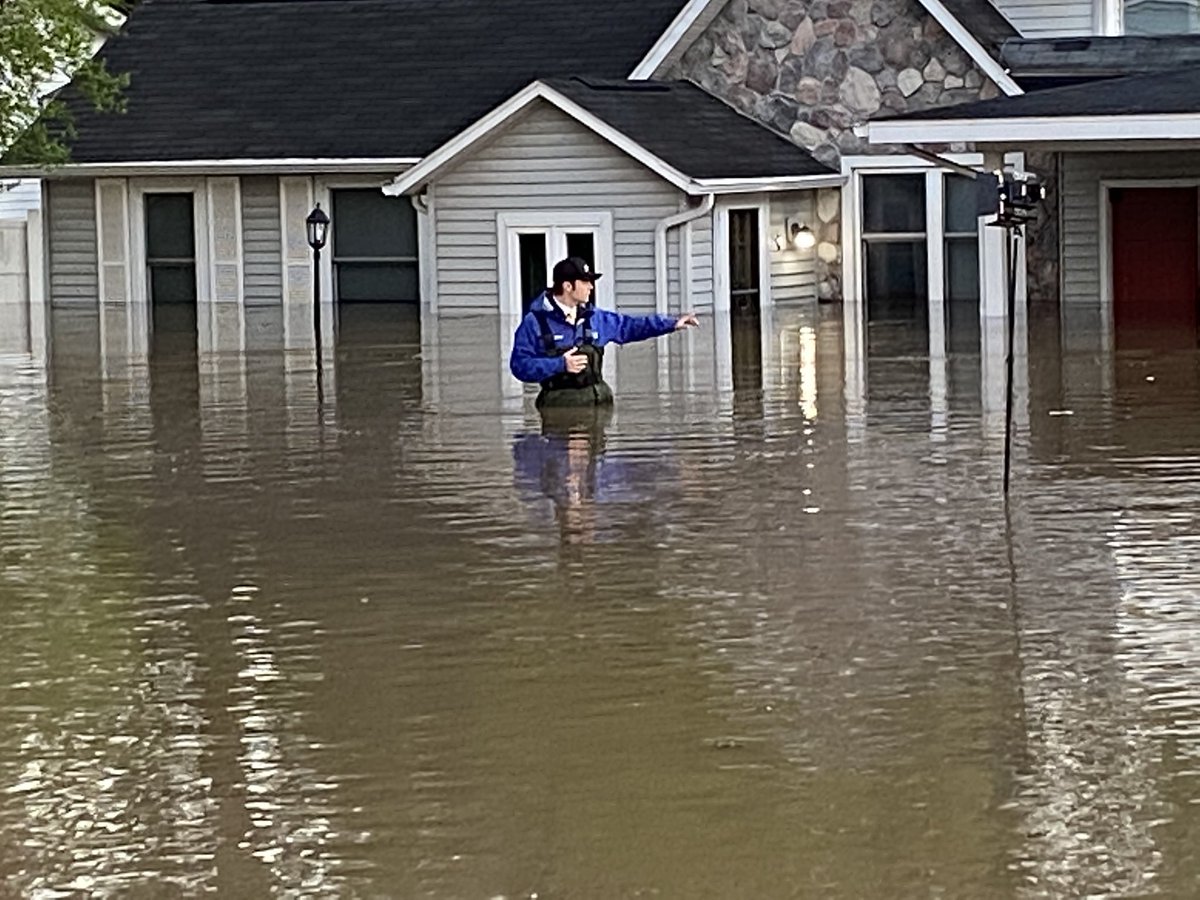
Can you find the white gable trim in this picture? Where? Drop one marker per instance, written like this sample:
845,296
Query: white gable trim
453,150
674,35
975,50
671,40
450,152
1043,129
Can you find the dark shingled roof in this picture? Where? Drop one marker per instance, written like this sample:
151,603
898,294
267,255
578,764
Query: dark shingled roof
984,21
1158,93
1099,56
689,129
344,78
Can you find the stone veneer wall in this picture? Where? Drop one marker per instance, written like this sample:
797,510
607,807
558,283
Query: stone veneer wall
1042,236
814,69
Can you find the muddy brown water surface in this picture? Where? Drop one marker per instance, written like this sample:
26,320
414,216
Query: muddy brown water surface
765,632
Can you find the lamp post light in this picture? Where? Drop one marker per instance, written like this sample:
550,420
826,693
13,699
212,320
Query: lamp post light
317,229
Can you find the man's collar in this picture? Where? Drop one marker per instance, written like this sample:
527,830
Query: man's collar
552,305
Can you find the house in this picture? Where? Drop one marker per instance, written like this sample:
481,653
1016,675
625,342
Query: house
706,153
1123,154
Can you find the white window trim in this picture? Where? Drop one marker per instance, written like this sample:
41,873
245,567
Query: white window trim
510,224
1109,17
1105,248
722,300
991,243
854,167
139,275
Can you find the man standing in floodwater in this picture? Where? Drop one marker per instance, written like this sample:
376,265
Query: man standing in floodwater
560,343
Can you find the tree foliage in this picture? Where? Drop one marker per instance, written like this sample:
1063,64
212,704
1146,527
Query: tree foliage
43,45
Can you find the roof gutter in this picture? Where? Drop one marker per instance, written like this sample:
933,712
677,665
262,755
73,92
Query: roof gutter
1044,130
758,185
661,276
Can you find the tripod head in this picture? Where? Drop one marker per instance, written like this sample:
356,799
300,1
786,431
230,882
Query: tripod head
1012,197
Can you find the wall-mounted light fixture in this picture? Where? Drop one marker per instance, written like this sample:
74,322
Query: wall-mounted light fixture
800,235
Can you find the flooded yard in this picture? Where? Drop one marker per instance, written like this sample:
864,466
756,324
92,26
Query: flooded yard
766,631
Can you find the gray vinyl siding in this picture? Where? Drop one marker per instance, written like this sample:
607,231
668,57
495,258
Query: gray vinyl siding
1082,174
793,272
1037,19
262,243
71,220
546,161
702,263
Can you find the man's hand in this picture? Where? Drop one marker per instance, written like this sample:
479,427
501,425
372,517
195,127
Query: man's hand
576,362
687,320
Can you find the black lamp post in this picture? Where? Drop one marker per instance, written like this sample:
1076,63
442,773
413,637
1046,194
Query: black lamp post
317,227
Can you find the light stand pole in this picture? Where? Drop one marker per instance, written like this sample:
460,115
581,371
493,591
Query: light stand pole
1016,200
317,230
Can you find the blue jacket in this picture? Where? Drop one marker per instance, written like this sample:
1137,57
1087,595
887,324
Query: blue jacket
530,361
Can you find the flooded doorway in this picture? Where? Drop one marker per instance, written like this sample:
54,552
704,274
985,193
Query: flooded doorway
745,304
1154,265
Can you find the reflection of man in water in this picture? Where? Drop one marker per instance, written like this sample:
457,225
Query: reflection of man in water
560,343
564,463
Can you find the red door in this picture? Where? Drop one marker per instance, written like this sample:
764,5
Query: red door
1154,254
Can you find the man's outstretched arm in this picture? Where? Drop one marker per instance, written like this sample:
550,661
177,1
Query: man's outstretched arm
623,329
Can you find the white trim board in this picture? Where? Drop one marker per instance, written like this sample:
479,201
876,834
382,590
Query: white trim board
1037,129
450,152
670,45
280,166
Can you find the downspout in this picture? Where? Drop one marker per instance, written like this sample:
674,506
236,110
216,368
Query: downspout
420,201
661,277
426,254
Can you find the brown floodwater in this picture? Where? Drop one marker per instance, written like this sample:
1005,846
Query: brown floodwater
766,631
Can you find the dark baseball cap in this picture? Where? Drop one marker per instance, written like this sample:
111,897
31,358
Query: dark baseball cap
573,268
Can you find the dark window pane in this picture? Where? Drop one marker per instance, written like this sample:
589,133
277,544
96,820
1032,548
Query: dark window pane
960,205
534,278
893,203
962,269
172,283
390,282
897,283
170,229
367,223
583,246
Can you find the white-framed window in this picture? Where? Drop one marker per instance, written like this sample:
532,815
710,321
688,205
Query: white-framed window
1160,17
1147,17
911,239
529,244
